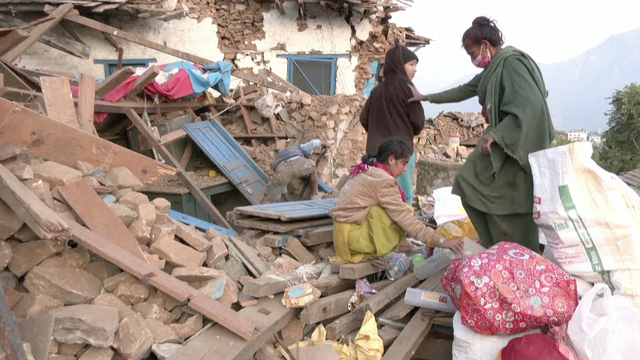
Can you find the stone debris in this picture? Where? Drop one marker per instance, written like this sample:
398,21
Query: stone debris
28,255
134,339
71,286
85,324
56,174
97,353
123,178
177,253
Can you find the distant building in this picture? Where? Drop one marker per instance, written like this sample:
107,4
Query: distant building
578,135
595,139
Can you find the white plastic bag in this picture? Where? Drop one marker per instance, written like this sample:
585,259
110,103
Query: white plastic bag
605,327
469,345
267,105
591,219
448,206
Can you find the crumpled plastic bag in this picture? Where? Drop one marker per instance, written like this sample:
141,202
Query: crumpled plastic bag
362,293
457,229
367,345
267,105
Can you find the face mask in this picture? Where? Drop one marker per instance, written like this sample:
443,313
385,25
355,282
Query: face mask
482,62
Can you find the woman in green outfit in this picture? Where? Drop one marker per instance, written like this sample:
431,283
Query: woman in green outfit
495,183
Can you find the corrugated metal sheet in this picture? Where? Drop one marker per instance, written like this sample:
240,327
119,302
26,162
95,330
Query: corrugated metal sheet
223,150
632,178
288,211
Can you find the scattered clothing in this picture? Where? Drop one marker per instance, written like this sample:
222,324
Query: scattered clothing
290,163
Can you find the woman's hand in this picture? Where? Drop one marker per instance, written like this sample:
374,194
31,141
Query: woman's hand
456,245
485,144
416,96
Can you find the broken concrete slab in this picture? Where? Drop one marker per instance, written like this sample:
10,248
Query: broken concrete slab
111,300
56,174
111,283
27,255
10,223
34,305
91,324
189,327
102,269
77,258
165,351
97,353
131,293
134,338
123,178
124,213
191,236
71,286
177,253
162,232
5,254
193,274
153,311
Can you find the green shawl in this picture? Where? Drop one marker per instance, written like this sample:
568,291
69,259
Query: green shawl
514,94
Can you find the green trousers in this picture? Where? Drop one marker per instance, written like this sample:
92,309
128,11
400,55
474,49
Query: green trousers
406,179
492,229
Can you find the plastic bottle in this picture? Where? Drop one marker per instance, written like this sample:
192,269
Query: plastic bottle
416,260
435,263
398,266
454,141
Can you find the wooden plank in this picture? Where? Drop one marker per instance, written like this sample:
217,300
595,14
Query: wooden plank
258,80
342,326
50,139
172,136
39,217
162,281
112,81
271,285
400,309
13,80
410,338
280,226
194,189
290,211
98,217
199,223
282,81
247,118
332,306
86,101
234,252
378,301
143,80
321,235
269,316
121,107
245,300
332,284
59,101
250,254
9,151
9,336
37,32
358,271
12,40
388,335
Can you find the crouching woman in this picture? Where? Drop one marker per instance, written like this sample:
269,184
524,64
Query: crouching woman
371,217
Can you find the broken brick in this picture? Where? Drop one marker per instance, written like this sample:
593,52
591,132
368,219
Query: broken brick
177,253
162,333
162,232
107,299
122,178
27,255
10,223
111,283
189,327
91,324
153,311
191,274
133,339
124,213
131,293
56,174
71,286
191,236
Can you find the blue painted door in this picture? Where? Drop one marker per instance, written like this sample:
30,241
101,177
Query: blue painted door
288,211
223,150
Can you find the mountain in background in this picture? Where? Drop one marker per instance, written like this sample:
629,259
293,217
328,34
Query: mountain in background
579,87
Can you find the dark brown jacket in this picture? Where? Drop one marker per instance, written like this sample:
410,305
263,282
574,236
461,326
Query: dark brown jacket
388,112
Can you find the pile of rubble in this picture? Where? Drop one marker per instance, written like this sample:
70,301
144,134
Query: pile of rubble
433,142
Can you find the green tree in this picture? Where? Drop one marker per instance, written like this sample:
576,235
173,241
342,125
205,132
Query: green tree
559,139
620,149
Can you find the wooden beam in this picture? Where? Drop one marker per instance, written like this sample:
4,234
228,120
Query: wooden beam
11,79
86,101
258,80
247,117
98,217
67,46
321,235
78,19
332,306
175,288
400,309
410,338
121,107
172,136
9,336
378,301
112,81
50,139
59,101
217,343
144,79
11,40
268,285
358,271
37,32
194,189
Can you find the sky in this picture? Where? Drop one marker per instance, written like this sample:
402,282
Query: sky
548,30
